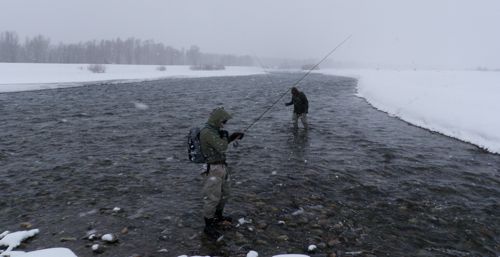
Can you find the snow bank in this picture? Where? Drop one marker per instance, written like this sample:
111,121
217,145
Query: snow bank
459,104
51,252
35,76
13,240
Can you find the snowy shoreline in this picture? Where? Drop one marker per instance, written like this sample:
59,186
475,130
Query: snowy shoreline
16,77
458,104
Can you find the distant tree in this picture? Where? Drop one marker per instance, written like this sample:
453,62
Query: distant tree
193,55
9,46
118,51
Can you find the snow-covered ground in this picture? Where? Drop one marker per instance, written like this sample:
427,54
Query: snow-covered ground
34,76
459,104
13,240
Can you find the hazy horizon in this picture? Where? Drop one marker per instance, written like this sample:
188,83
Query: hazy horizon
442,33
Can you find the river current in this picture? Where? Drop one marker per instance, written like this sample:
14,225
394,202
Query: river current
358,182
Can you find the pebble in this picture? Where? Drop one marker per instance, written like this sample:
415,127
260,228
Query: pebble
65,239
323,222
261,242
252,254
96,248
26,225
261,225
338,225
333,242
283,238
109,238
298,212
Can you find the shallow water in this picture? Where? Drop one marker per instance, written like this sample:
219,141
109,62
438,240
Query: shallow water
357,182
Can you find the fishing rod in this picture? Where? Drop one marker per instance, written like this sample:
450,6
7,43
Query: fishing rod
296,83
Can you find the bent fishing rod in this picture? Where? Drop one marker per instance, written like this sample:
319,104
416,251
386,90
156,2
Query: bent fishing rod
296,83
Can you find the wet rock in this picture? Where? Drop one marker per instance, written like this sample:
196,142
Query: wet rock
240,238
316,197
315,225
283,238
96,248
26,225
317,232
124,231
261,242
65,239
312,248
242,221
323,222
238,235
333,242
354,253
261,225
91,234
303,220
298,212
252,254
109,238
163,250
260,204
338,226
321,245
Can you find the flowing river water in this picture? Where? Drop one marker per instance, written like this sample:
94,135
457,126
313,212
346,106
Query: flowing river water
357,183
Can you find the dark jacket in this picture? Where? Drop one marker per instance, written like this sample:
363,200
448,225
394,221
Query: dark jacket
300,103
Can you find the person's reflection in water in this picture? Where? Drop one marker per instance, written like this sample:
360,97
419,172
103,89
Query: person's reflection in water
298,144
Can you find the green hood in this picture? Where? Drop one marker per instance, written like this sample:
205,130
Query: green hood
217,116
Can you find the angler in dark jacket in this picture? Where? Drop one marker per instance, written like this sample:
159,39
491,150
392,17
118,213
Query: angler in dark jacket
300,107
214,143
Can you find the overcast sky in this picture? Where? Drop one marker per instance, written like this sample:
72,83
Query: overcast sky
452,33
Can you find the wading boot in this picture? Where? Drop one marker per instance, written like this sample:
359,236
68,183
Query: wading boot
211,230
221,219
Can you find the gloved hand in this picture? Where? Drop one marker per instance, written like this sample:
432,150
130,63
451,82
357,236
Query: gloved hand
287,104
224,134
236,135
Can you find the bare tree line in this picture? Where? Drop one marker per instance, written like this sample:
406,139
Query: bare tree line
116,51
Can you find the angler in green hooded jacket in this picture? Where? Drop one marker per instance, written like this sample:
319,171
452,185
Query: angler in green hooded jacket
214,143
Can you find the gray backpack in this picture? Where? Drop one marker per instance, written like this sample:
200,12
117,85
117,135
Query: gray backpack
194,146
